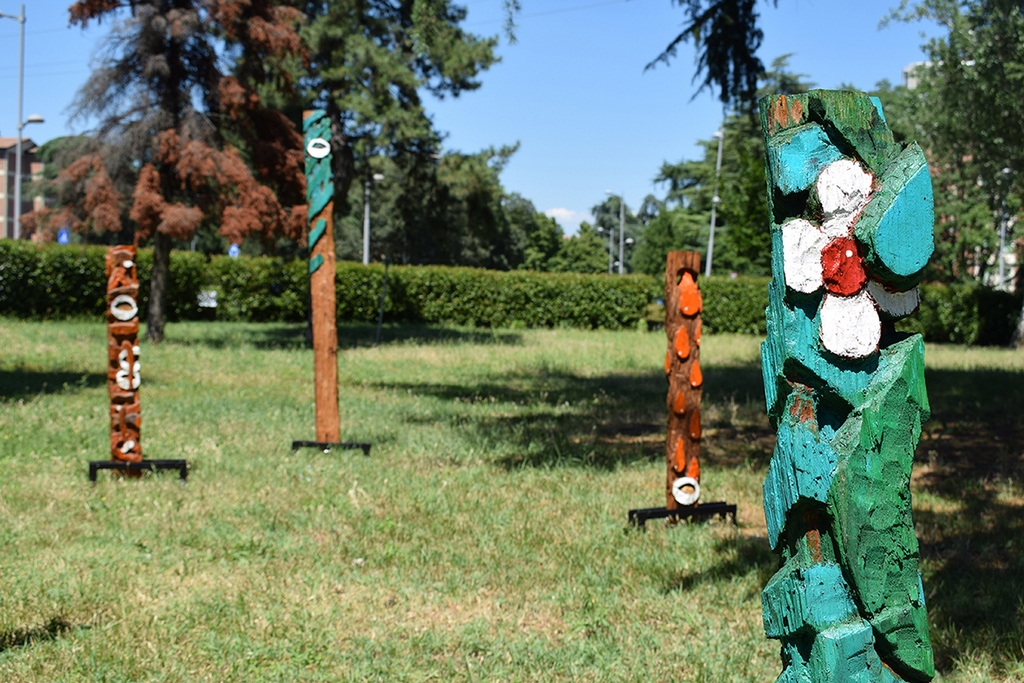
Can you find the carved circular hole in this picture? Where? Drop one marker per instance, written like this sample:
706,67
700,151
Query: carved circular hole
123,307
686,490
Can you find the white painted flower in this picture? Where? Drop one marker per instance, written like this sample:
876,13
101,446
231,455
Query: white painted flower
828,256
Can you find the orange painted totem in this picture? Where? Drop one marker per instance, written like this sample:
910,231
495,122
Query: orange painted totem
683,306
123,353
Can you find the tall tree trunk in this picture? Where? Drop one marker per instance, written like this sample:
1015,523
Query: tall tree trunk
158,288
1017,341
1018,335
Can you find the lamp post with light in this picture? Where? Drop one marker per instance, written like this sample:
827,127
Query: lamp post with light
366,215
34,118
622,230
715,201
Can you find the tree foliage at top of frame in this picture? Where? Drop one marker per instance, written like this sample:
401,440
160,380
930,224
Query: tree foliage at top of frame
727,37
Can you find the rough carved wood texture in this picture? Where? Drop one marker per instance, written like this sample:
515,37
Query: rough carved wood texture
683,305
123,368
320,200
852,218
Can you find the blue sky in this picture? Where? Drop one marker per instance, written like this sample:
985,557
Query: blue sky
572,91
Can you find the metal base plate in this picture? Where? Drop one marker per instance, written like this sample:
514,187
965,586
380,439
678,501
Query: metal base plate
152,465
640,516
328,446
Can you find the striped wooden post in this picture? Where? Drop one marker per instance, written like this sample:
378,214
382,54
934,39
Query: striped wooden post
852,218
320,200
683,306
123,367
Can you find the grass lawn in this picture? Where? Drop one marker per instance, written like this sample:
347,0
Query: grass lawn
483,539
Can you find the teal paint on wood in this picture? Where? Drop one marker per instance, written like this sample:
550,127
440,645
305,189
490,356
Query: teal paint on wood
896,225
316,128
805,601
845,393
797,157
318,230
319,179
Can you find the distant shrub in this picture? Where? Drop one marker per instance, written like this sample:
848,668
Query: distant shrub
58,281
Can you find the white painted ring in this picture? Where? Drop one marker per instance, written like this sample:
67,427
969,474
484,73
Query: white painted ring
318,148
123,314
680,492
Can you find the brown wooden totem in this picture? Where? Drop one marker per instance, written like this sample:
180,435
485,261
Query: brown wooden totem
123,353
683,305
320,209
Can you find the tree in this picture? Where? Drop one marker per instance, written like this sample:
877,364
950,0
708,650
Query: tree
969,117
543,234
742,235
369,61
167,109
80,194
727,38
583,252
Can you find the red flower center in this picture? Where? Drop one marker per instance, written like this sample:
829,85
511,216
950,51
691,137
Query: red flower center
842,267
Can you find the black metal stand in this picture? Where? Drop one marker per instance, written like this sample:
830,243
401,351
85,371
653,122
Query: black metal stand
152,465
327,446
699,511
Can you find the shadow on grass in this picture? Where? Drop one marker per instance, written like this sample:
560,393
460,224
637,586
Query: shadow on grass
22,637
738,556
560,419
19,383
291,336
971,456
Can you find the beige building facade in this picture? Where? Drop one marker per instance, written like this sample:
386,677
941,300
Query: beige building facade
31,168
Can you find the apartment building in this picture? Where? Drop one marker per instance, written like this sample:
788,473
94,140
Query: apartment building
31,167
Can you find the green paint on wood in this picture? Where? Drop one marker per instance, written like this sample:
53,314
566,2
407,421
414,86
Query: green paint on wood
315,263
896,225
318,230
848,603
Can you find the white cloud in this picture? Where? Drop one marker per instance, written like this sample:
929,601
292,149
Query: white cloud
569,219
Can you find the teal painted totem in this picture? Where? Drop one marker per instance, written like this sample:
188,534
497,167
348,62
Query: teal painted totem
852,219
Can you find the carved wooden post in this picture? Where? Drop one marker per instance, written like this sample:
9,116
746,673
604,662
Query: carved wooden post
123,354
852,222
320,199
683,306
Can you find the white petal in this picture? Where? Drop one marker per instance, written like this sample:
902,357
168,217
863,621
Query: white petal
843,189
838,226
850,326
802,243
896,304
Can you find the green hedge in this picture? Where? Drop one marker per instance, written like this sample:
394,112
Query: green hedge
55,281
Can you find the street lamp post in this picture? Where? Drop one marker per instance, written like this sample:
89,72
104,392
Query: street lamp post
366,216
622,231
715,201
20,18
611,249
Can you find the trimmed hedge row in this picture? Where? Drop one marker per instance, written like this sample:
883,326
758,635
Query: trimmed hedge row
56,281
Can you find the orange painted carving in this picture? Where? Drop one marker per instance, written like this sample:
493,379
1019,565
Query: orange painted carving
679,404
700,327
679,456
695,424
123,368
682,344
690,303
683,305
692,469
696,376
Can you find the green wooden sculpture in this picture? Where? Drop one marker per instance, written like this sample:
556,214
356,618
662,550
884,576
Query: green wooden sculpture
852,218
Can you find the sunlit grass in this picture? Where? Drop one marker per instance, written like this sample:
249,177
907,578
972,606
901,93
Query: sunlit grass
484,538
